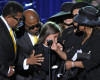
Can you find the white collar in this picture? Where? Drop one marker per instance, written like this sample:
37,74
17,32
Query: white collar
8,27
45,45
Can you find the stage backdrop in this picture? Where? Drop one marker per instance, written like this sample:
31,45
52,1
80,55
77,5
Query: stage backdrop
45,8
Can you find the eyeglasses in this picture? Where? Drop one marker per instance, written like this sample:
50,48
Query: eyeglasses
20,19
32,27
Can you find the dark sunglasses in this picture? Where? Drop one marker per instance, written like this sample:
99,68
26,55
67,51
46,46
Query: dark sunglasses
74,15
20,19
37,25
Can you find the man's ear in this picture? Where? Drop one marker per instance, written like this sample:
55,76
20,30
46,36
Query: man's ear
8,18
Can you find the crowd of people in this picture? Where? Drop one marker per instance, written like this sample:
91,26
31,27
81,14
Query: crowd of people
66,47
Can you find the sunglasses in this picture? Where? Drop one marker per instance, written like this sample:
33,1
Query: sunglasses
20,19
32,27
74,15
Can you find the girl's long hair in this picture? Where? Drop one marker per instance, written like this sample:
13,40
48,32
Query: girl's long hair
48,29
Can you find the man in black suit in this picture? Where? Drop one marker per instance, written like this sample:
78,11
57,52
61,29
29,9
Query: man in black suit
27,38
9,20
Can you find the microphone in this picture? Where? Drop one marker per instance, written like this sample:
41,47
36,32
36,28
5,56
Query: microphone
49,42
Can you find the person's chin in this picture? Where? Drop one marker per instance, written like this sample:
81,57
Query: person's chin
14,28
34,32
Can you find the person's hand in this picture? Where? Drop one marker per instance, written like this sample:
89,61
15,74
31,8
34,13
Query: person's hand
35,59
56,46
59,46
11,72
68,64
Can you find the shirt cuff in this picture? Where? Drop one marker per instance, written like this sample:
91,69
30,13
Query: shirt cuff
25,66
9,70
74,57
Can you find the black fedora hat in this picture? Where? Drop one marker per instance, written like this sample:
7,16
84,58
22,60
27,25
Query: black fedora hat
65,12
79,5
88,16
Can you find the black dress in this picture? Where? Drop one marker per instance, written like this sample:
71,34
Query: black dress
92,66
70,38
91,69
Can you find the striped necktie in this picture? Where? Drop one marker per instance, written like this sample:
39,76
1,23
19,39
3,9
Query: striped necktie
35,39
11,33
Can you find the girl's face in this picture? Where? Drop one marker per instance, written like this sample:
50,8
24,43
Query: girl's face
52,37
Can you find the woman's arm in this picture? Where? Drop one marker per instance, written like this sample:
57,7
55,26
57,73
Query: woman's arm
58,49
71,64
61,53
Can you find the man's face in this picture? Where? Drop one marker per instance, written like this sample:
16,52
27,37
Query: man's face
15,20
32,26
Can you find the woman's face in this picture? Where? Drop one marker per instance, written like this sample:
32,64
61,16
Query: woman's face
82,28
75,12
52,37
68,21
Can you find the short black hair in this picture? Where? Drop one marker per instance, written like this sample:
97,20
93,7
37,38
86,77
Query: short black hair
12,8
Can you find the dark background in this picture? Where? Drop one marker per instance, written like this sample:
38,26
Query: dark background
45,8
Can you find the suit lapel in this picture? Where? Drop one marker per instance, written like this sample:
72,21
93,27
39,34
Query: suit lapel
7,33
27,39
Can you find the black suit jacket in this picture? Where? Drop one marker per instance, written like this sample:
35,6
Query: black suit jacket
7,54
25,44
24,50
20,31
92,66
